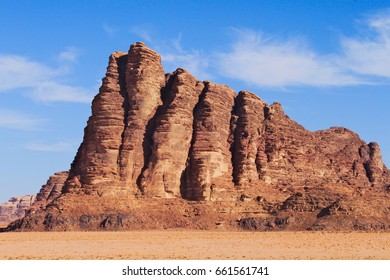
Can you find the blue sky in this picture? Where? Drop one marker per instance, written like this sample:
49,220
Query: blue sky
327,62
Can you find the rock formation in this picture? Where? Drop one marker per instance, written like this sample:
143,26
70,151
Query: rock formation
15,208
171,140
167,150
51,190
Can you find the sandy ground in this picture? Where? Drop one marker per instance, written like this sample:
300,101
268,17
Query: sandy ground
194,245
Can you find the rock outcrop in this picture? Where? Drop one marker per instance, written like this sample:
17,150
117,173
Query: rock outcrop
18,206
167,150
15,208
171,139
51,190
209,169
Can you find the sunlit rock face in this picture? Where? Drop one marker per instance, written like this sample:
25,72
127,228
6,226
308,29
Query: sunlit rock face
167,150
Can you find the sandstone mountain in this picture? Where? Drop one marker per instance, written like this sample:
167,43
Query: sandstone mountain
15,208
51,190
167,151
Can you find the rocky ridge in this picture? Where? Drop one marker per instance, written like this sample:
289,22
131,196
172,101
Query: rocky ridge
15,208
167,151
51,190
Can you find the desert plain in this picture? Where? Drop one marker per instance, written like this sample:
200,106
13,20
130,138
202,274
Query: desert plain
196,245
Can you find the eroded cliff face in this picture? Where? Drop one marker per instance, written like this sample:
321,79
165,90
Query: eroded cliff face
15,208
51,190
171,137
93,170
208,175
161,150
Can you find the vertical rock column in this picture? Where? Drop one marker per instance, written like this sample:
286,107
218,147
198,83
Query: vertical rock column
145,80
373,163
248,149
284,142
172,136
95,169
209,167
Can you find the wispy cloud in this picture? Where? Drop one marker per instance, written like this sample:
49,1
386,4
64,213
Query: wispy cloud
71,54
40,82
48,92
195,61
20,121
369,55
110,30
19,72
143,32
51,147
271,62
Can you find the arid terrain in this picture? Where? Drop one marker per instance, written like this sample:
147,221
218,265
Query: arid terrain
174,244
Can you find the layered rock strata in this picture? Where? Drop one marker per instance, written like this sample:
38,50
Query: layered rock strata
172,136
161,143
51,190
15,208
209,166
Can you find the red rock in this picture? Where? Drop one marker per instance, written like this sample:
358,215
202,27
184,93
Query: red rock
249,156
95,169
51,190
15,208
172,137
145,80
209,170
170,151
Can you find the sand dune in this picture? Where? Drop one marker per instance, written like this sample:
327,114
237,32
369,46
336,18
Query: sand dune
194,245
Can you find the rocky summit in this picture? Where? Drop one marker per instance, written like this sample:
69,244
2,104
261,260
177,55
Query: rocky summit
170,151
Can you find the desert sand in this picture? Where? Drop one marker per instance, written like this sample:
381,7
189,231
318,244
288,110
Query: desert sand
174,244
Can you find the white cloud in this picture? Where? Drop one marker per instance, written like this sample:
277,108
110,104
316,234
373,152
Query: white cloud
19,72
268,62
370,55
39,81
194,61
71,54
54,92
19,121
52,147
